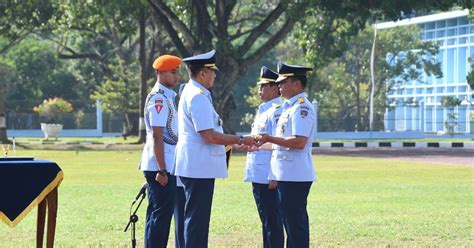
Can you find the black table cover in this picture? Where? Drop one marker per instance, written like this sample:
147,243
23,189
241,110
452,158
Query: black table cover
23,185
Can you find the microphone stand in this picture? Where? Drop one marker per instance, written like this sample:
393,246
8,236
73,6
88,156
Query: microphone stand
133,219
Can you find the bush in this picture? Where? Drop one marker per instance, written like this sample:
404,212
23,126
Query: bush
53,109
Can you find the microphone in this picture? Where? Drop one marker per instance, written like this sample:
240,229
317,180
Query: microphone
141,192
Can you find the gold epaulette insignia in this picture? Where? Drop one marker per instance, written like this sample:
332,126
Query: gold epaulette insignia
301,100
201,91
161,91
276,105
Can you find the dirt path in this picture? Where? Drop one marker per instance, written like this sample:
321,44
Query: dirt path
446,156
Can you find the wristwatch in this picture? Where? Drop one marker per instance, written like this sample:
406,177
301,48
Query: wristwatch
162,172
241,140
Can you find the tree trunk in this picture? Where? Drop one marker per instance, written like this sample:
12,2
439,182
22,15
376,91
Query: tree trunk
358,109
3,121
143,79
223,99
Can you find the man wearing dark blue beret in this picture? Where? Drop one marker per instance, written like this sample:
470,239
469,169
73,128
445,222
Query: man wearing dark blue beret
291,162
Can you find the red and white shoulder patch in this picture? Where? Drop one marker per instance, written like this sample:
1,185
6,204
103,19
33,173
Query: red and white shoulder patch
159,104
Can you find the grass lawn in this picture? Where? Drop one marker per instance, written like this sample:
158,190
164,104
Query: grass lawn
356,202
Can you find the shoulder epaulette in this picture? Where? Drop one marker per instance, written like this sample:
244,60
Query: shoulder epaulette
276,105
161,91
301,100
201,91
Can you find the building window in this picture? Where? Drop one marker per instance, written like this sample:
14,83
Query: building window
440,58
451,32
462,40
440,34
462,31
450,63
440,24
452,42
452,22
440,90
463,21
429,26
462,59
451,89
429,35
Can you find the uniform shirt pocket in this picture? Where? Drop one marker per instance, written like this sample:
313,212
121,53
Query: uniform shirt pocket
284,155
216,150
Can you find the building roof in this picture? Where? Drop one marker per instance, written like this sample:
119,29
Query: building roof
423,19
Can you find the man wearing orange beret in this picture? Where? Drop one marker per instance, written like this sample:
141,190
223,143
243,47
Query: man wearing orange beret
158,154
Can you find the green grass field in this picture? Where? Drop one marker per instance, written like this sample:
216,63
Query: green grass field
356,202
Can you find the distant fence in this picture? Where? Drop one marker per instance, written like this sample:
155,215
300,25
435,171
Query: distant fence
91,121
403,122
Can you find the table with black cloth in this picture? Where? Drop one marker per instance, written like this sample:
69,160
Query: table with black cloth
26,183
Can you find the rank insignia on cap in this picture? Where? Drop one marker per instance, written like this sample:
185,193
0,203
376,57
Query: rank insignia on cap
158,105
285,71
267,76
207,60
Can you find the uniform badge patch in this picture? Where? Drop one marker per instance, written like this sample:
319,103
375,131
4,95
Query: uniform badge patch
304,113
158,105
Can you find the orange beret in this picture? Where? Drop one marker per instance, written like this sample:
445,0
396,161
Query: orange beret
167,63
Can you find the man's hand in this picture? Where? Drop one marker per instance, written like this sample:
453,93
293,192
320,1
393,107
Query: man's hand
162,180
245,148
261,139
272,185
248,141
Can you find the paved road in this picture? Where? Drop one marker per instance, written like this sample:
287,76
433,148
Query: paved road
453,156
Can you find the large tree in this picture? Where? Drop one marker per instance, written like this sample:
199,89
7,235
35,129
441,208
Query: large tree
230,27
122,39
243,31
18,19
7,79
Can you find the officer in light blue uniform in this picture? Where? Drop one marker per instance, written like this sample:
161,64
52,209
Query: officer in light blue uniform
179,204
258,161
291,162
159,152
200,152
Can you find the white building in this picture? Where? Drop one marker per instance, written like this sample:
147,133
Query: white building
455,34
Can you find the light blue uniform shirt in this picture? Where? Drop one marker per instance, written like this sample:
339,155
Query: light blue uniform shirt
258,162
297,119
195,158
160,112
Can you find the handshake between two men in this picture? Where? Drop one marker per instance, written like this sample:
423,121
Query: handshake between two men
254,142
